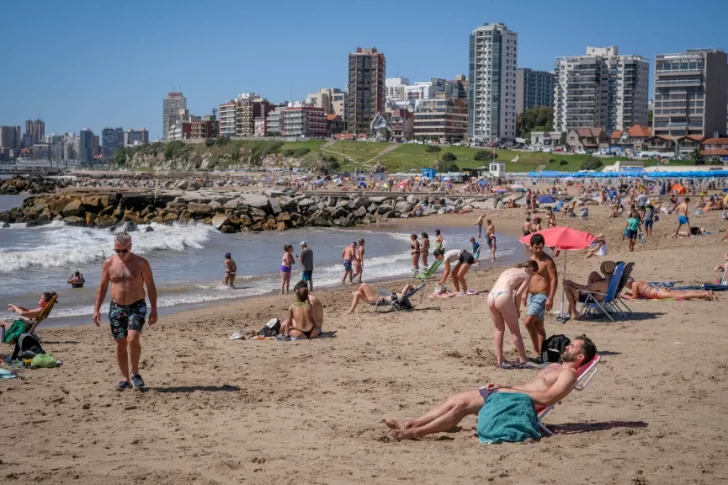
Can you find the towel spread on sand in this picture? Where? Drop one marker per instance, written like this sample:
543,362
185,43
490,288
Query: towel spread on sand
507,416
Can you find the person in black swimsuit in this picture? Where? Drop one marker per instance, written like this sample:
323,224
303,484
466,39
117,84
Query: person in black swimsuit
76,280
302,325
415,252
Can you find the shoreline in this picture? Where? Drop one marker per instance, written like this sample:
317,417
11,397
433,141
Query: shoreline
442,221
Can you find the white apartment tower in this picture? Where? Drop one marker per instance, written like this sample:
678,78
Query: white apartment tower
173,103
492,88
601,89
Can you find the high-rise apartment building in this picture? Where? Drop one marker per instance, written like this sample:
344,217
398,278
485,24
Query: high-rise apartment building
36,131
302,120
366,89
10,138
492,96
601,89
136,137
691,91
533,88
112,140
172,104
85,152
237,118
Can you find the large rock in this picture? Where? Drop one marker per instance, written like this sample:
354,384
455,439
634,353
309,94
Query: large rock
254,212
281,226
73,208
215,206
403,206
384,209
412,199
275,206
257,201
305,202
193,186
360,212
219,220
105,221
74,221
377,199
283,217
199,209
232,204
358,202
372,208
182,185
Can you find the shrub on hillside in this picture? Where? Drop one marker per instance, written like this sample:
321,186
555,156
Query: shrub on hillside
432,149
552,160
563,162
299,152
288,153
449,157
482,155
591,163
209,142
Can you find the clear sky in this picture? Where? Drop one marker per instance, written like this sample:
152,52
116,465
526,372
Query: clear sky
94,64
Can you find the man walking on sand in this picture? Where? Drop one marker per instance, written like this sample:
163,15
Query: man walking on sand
542,289
128,274
682,216
347,255
306,259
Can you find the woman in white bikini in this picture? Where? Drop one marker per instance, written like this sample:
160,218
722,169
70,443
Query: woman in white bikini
504,303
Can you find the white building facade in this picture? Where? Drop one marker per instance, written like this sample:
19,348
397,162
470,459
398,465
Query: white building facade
492,88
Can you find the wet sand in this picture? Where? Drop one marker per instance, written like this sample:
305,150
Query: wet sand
220,411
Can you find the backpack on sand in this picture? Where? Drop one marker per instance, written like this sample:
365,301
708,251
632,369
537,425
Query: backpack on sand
553,347
27,346
271,329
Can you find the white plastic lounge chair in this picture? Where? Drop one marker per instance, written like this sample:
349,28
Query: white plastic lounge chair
585,374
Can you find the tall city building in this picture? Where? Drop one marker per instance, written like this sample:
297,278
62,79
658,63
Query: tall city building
112,140
237,118
136,137
601,89
492,86
533,88
366,92
36,130
85,145
173,103
10,138
691,91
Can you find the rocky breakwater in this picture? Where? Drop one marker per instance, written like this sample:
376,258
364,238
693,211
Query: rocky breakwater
233,212
31,185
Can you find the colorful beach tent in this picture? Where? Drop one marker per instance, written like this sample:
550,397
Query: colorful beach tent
545,199
679,189
562,238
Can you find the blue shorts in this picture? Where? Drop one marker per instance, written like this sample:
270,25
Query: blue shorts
306,276
347,265
630,233
682,220
648,224
537,305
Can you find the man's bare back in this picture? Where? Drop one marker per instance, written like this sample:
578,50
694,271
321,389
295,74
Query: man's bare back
348,253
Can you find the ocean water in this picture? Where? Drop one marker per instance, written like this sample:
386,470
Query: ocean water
187,261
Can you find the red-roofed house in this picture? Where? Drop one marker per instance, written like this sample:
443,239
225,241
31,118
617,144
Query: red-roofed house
335,124
715,147
634,139
588,139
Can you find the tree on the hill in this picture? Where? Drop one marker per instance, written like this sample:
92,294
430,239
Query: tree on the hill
591,163
535,119
432,149
449,157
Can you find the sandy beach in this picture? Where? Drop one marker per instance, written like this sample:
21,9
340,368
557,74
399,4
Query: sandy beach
263,412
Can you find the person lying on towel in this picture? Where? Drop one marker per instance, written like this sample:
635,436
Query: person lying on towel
643,289
548,387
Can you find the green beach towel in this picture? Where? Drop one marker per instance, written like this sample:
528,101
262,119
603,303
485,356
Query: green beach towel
15,330
507,416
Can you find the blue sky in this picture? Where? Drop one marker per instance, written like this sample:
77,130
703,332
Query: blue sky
94,64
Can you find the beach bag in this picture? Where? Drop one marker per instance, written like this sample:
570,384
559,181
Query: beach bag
271,329
553,347
44,360
15,330
694,231
27,346
403,304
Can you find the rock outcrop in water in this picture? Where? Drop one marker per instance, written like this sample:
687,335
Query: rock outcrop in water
230,212
32,185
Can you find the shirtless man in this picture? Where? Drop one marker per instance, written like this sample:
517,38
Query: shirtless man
348,256
542,289
594,283
550,385
230,269
682,216
300,319
128,274
359,261
643,289
479,225
490,239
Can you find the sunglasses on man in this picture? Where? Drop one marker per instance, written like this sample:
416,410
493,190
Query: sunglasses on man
121,251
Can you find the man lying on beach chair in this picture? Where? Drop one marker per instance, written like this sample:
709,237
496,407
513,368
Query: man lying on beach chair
30,319
397,300
550,385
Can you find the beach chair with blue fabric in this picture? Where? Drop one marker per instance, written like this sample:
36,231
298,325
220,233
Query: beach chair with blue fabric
607,306
585,374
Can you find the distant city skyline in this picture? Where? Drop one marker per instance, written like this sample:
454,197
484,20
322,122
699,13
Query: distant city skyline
158,52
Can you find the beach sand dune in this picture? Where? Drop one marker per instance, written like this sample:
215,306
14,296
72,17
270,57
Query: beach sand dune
220,411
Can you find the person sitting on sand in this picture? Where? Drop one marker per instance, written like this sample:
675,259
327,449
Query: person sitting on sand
598,247
300,324
76,280
643,289
317,309
366,293
595,283
29,316
550,385
504,302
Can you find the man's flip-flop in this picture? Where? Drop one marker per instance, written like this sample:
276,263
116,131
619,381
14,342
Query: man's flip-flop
123,385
